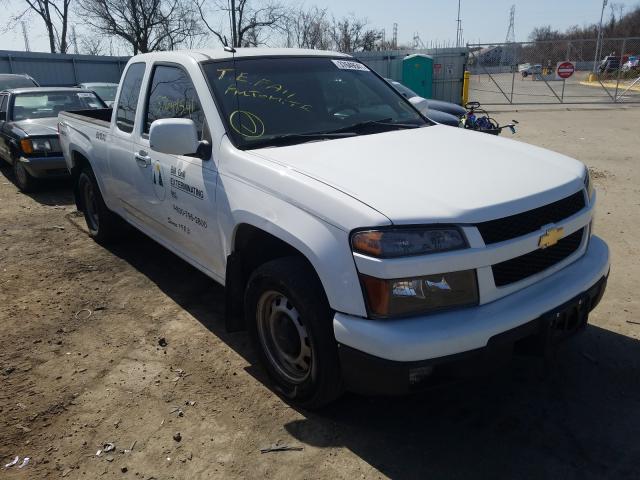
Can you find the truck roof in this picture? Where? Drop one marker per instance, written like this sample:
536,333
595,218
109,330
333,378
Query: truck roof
44,89
201,55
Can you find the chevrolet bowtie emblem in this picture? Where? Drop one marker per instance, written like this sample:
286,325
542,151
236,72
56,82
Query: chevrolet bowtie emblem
551,237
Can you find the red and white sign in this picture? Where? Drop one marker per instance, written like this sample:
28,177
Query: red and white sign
564,70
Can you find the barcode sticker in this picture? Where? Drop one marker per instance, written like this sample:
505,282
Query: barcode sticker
348,65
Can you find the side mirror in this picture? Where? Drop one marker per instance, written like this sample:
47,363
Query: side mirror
175,136
3,116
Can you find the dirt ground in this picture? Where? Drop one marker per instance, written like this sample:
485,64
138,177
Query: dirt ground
81,364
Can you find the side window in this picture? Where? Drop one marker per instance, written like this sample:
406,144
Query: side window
128,101
172,95
3,103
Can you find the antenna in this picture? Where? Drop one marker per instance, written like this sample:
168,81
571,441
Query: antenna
27,48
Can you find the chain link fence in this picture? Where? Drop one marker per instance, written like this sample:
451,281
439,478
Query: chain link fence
555,72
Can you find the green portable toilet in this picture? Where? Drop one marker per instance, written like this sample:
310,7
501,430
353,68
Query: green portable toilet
417,74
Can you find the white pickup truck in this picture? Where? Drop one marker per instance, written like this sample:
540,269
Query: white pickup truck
363,247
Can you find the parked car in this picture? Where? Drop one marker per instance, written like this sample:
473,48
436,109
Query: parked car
10,80
446,113
28,130
527,69
106,91
609,64
633,63
363,247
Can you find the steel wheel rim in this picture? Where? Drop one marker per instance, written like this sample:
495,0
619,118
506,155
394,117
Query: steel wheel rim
90,206
284,338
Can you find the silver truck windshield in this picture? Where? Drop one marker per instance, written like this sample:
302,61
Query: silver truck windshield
283,100
49,104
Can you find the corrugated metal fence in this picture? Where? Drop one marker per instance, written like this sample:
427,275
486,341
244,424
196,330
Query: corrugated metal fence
63,70
448,68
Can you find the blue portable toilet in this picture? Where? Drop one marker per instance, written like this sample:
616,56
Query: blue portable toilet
417,74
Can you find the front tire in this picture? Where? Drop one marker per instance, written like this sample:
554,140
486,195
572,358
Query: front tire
290,323
102,223
24,180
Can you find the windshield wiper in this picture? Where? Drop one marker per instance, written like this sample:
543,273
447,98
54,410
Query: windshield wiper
291,138
385,122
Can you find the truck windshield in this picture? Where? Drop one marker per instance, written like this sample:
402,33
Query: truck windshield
49,104
281,100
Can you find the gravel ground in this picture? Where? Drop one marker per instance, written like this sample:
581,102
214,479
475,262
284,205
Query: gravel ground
127,346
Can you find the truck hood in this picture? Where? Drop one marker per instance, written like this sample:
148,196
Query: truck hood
39,126
436,174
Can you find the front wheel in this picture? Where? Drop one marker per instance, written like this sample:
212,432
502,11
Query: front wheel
290,323
24,180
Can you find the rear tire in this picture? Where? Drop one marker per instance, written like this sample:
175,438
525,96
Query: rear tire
290,323
24,180
104,226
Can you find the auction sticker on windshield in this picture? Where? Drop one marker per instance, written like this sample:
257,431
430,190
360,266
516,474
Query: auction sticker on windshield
347,65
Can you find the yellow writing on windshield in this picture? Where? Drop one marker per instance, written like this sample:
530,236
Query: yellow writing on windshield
264,89
246,123
233,90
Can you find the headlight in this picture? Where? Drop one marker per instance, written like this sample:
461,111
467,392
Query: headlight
587,184
407,296
36,145
403,242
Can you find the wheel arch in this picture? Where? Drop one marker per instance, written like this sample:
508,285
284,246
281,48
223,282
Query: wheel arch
254,242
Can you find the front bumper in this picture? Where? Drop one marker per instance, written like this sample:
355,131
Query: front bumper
45,167
371,350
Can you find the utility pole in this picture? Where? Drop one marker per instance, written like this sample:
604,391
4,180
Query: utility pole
395,36
510,39
599,40
459,28
27,48
74,39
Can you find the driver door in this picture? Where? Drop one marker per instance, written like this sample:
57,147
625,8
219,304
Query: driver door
182,198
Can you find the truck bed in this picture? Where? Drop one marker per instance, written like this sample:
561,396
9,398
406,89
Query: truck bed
101,116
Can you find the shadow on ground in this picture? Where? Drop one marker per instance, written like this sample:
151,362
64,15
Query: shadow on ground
578,419
51,192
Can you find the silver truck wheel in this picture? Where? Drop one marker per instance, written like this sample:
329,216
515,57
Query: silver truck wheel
290,324
284,337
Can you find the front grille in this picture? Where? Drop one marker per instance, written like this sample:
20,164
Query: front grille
520,224
534,262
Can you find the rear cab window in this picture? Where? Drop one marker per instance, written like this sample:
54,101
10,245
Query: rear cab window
129,94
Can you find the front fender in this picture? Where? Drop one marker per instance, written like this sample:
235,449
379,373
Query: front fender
325,246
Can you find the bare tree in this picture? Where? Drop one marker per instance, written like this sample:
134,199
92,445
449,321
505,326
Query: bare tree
55,15
350,34
248,21
309,29
146,25
91,45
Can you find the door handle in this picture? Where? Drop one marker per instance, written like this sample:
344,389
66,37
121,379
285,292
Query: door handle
142,159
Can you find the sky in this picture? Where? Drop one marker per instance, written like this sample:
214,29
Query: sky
483,21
